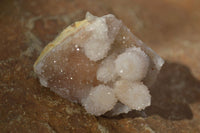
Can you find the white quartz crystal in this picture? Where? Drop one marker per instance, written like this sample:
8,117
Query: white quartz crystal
132,64
106,71
100,64
133,94
98,45
100,100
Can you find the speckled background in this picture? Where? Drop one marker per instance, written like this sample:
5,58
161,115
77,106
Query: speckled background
170,27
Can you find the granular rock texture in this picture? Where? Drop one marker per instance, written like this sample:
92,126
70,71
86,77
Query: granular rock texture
170,28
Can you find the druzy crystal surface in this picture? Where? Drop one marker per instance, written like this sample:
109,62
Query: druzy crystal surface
100,64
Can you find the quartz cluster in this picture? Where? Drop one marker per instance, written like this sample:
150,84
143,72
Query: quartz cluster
100,64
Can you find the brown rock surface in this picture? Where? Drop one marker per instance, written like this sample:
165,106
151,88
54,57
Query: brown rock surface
169,27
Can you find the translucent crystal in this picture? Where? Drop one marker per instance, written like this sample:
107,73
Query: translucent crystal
119,108
100,64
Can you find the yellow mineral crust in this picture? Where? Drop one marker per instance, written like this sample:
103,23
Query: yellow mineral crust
70,30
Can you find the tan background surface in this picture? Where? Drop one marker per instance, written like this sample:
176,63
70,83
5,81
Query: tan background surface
170,27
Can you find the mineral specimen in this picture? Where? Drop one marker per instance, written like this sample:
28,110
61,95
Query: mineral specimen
100,64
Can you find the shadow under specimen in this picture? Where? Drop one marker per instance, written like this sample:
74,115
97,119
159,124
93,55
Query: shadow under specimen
172,93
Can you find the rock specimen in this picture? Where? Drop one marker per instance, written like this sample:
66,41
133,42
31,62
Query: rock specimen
99,63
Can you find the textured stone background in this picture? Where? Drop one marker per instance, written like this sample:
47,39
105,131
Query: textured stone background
170,27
